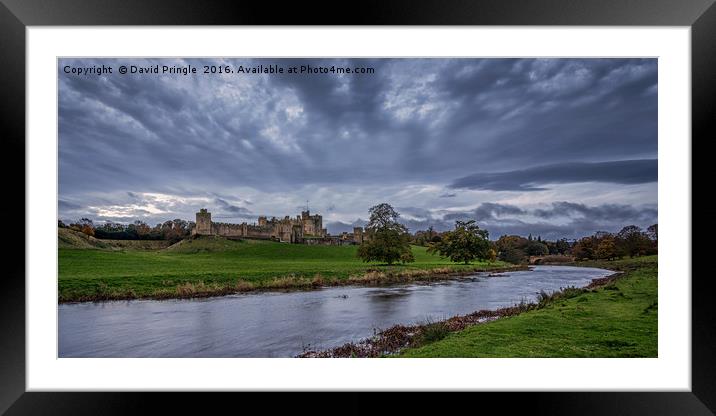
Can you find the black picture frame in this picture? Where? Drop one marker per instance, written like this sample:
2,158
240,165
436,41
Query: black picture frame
15,15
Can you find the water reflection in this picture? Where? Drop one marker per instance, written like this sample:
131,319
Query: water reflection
283,324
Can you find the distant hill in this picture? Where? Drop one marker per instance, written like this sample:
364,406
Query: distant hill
67,238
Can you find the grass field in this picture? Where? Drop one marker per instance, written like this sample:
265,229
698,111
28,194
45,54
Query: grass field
617,320
67,238
208,266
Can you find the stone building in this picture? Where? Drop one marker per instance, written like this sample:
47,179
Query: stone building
290,230
358,236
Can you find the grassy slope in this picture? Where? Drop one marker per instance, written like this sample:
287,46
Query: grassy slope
84,273
67,238
71,239
619,320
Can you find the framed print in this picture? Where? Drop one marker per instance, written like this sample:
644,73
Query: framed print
463,198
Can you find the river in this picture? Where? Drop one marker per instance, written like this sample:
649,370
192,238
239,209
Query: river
283,324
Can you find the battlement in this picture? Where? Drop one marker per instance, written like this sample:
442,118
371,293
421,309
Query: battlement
286,229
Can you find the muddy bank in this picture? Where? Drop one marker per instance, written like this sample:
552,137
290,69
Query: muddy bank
396,338
371,277
604,281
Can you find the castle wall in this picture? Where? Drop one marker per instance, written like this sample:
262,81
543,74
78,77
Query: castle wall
229,230
290,230
283,231
327,241
296,233
258,231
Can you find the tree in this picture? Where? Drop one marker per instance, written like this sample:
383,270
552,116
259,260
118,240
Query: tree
85,226
465,243
388,240
653,232
141,228
633,241
491,255
561,246
584,248
536,248
430,233
422,238
606,248
384,217
506,242
175,230
511,248
513,255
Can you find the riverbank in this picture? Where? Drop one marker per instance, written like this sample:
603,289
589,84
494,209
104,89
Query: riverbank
214,267
614,316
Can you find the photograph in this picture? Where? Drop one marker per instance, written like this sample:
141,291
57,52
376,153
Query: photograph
357,207
256,199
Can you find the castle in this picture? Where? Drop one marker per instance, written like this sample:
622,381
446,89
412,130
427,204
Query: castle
302,229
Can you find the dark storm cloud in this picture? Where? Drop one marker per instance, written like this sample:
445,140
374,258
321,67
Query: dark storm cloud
67,206
486,211
491,210
226,207
412,116
414,212
559,220
497,124
607,212
621,172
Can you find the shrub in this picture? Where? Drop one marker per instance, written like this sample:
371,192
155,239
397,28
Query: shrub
432,332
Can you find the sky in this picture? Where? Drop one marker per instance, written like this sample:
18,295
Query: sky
559,148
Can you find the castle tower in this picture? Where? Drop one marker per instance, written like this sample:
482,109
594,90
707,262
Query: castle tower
318,225
358,235
203,222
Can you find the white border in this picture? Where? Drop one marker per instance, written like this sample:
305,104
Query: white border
671,371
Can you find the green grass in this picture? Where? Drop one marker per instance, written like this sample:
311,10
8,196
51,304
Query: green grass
214,266
71,239
617,320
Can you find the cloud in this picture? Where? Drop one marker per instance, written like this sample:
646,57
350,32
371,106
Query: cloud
605,212
347,142
492,210
234,210
67,206
619,172
338,227
558,220
443,116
